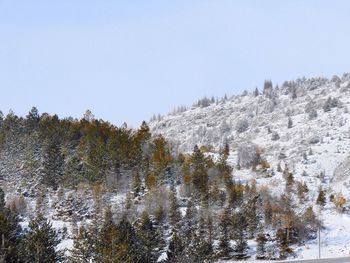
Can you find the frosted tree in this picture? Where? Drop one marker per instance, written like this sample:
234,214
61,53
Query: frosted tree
242,125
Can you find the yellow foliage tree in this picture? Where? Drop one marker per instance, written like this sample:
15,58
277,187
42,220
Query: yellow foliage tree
339,201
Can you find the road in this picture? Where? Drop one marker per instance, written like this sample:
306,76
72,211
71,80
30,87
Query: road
323,260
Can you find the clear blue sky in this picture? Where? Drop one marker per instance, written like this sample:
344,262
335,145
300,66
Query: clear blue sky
126,60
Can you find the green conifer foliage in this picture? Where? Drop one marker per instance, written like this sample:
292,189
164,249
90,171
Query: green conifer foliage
82,251
199,174
10,233
41,241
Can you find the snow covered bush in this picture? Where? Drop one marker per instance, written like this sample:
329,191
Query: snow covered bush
275,136
314,139
331,103
242,125
312,114
248,155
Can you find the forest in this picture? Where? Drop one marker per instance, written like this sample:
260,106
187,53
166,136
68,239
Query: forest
177,207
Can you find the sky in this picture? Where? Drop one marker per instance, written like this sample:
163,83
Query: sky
126,60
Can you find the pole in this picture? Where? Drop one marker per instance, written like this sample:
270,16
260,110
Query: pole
319,242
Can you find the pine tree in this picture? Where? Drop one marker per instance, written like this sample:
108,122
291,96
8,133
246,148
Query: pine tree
321,198
302,189
235,192
268,88
261,246
174,213
256,92
52,164
2,199
107,246
240,225
289,181
176,248
136,183
290,123
199,174
224,169
160,214
186,177
224,236
251,214
40,243
328,105
204,248
82,251
33,118
143,134
10,233
268,212
149,240
126,242
189,224
72,174
93,235
161,157
309,219
282,239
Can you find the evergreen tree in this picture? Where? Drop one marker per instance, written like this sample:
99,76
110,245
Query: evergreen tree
321,198
309,219
93,236
127,243
268,213
235,192
107,246
328,105
139,150
224,235
256,92
72,174
189,224
149,240
204,248
225,169
289,181
10,233
282,239
261,246
268,88
240,225
160,214
2,199
186,177
52,164
302,189
40,243
82,251
161,157
251,214
199,174
176,248
136,183
33,118
174,213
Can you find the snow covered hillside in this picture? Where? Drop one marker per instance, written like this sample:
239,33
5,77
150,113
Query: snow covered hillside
303,125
